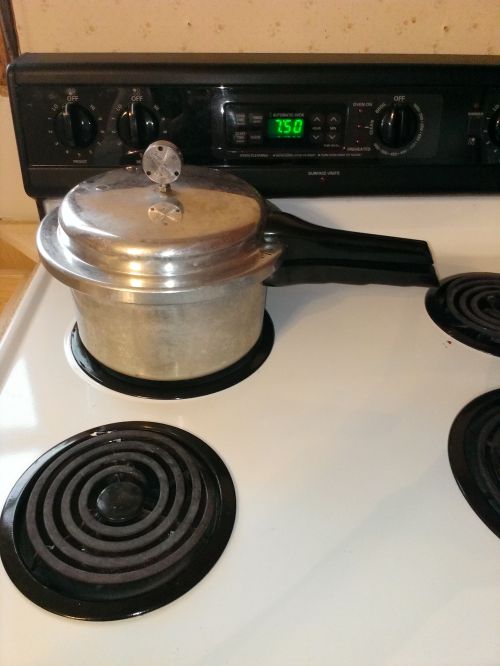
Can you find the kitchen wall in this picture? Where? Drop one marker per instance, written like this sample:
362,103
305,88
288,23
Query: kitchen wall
337,26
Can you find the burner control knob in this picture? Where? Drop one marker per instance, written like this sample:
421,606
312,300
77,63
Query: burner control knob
397,126
137,126
494,128
75,126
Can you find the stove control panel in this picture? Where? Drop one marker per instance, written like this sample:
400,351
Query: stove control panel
290,125
303,126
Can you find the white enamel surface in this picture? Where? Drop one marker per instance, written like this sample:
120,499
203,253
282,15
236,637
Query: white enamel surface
352,544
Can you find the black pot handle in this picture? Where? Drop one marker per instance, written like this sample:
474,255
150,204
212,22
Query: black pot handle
315,254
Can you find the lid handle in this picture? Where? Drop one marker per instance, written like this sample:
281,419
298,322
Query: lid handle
162,163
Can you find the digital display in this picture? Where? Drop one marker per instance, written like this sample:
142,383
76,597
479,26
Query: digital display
285,128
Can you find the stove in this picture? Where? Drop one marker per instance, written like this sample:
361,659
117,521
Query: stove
326,481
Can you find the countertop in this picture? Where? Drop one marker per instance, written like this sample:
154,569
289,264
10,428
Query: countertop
18,259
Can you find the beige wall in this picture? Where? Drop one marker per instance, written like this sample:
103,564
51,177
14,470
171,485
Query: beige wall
337,26
396,26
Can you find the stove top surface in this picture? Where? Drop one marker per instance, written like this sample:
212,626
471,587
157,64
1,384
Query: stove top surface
352,542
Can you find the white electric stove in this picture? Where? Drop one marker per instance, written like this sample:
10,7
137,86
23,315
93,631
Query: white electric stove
352,542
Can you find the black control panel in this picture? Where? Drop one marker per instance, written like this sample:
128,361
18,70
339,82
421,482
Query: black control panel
291,125
307,127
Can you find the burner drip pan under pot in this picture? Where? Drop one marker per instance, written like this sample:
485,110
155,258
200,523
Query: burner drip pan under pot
474,452
173,390
467,307
117,521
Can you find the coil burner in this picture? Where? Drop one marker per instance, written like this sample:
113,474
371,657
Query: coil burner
117,521
474,452
467,307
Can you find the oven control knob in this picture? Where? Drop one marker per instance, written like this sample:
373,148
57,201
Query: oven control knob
75,126
397,126
494,128
137,126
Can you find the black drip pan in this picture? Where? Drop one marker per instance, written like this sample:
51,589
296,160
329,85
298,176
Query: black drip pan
474,453
175,390
117,521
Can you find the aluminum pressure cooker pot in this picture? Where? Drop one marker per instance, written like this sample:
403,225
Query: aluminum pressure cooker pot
169,264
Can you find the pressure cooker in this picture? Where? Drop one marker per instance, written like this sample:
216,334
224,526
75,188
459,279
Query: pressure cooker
169,264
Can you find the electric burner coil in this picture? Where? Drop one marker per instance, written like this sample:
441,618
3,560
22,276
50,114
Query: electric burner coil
117,521
467,307
474,453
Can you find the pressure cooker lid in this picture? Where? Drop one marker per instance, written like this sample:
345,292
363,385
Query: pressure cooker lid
163,227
